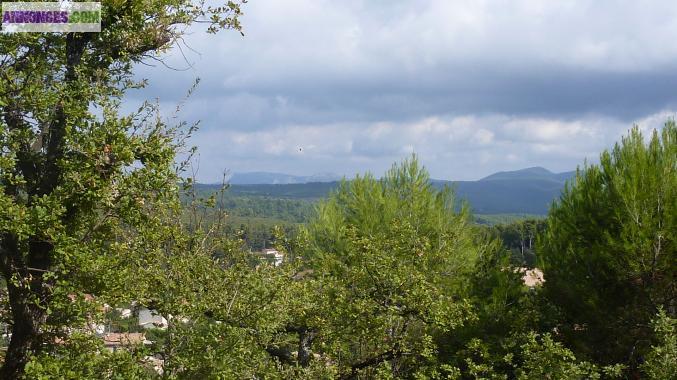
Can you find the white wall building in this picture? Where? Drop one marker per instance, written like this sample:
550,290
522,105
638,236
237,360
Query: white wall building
276,255
151,319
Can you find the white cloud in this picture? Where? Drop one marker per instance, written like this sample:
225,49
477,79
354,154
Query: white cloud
290,41
367,37
484,144
473,86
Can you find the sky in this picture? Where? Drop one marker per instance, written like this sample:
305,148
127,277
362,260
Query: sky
471,86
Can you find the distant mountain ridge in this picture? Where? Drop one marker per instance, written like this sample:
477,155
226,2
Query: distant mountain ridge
533,173
528,191
525,191
272,178
268,178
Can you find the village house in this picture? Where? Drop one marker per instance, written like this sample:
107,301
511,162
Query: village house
116,341
151,319
274,255
532,277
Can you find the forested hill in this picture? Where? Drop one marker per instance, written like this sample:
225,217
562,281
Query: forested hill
526,191
268,178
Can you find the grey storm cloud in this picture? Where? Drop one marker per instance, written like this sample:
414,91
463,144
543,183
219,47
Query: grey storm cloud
328,75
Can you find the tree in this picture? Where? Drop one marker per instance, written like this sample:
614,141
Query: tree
544,358
79,183
662,357
609,253
520,238
389,258
224,315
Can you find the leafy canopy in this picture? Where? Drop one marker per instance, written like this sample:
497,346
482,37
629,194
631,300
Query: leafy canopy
390,257
609,251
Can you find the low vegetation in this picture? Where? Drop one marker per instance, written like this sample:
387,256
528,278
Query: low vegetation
384,278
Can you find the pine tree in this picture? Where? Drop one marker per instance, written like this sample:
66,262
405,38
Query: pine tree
609,253
391,258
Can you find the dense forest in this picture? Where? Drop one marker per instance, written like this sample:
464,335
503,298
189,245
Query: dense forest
254,218
383,278
526,191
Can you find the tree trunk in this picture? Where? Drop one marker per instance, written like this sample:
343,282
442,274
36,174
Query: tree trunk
24,300
26,340
306,337
28,268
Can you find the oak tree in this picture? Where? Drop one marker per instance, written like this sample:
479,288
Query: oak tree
79,181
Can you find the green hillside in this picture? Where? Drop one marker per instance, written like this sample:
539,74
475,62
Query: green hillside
528,191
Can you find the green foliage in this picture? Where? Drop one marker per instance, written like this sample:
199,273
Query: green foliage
225,315
84,190
255,233
609,251
390,257
496,219
519,238
84,357
529,355
504,307
390,279
543,358
304,191
273,206
289,210
661,361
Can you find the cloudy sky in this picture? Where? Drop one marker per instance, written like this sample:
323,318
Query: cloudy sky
471,86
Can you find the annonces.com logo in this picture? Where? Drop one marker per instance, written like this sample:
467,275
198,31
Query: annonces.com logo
61,16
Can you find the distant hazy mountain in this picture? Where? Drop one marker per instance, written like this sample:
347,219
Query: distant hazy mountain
535,173
266,178
526,191
529,191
